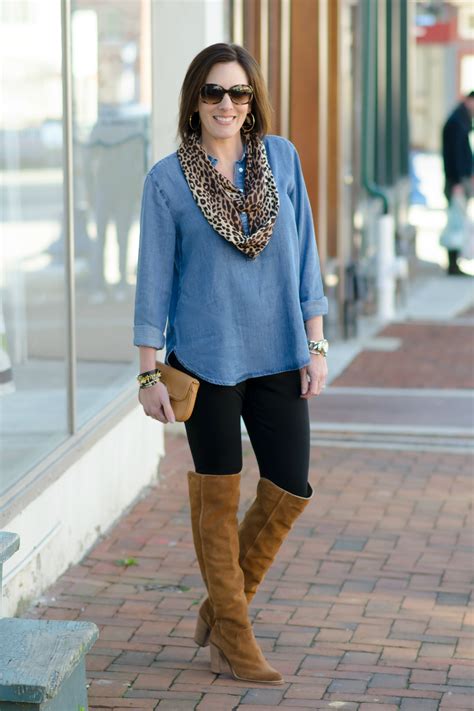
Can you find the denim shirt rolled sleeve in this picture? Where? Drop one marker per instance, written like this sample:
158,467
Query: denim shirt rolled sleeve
156,257
312,299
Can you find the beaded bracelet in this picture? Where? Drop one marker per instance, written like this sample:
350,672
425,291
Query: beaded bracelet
150,377
148,372
150,384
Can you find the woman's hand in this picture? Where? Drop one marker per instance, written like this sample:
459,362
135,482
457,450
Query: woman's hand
317,371
156,403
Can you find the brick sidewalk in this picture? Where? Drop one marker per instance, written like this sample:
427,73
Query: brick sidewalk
431,355
366,606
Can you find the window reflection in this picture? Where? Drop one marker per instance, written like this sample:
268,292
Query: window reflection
32,296
111,90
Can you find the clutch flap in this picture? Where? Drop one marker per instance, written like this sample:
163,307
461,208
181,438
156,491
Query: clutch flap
177,383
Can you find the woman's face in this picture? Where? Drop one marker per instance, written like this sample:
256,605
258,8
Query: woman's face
223,120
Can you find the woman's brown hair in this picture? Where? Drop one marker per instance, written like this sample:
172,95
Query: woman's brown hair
196,77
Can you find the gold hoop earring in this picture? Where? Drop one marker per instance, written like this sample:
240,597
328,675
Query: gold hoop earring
245,126
190,121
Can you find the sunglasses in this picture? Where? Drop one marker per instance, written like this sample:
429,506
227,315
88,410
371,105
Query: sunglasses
214,93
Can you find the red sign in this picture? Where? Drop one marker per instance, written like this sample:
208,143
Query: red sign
439,33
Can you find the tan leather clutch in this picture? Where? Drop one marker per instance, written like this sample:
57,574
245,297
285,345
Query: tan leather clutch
182,389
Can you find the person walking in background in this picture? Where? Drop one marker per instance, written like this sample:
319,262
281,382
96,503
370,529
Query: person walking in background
458,170
228,255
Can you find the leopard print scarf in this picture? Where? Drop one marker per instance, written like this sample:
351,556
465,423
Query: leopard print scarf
221,202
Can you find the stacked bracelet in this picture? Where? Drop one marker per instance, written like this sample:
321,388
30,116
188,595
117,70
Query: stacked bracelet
151,377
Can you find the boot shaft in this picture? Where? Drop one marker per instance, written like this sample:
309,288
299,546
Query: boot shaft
214,501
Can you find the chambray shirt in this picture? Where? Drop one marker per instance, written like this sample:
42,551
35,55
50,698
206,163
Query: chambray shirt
227,317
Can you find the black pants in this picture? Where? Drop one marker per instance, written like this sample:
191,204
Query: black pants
277,422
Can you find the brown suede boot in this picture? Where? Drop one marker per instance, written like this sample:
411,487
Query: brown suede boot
261,533
214,501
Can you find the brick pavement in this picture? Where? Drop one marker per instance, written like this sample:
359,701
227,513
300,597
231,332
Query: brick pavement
431,355
366,606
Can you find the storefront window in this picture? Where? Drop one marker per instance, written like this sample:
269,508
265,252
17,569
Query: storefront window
32,278
112,107
111,89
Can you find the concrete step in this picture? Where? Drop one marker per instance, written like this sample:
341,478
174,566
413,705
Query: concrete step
9,544
42,664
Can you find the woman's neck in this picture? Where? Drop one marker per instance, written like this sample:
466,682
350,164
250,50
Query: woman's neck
226,150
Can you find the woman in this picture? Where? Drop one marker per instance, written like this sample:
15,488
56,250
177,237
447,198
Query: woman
228,256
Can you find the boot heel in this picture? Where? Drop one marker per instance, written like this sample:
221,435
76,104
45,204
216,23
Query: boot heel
219,663
202,633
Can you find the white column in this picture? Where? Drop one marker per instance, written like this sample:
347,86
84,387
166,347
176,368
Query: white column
180,29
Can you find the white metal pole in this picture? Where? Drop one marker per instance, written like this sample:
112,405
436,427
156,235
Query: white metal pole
386,268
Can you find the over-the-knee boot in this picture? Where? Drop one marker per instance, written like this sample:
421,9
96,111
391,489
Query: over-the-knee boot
214,501
261,533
